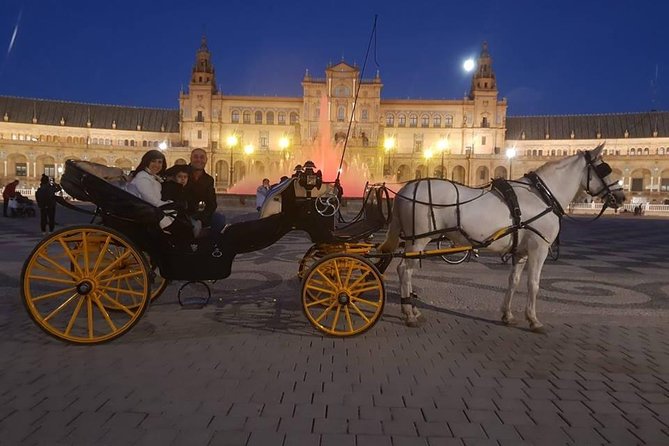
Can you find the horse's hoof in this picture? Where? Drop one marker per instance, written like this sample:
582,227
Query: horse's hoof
412,323
539,329
510,321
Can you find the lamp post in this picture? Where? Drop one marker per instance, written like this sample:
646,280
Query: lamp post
388,146
442,145
511,154
284,142
232,141
427,154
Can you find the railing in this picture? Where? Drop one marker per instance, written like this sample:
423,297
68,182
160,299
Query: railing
595,208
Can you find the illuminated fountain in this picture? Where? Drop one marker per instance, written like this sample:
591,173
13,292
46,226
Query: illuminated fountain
324,153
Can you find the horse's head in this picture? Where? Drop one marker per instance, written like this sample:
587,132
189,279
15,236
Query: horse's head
598,182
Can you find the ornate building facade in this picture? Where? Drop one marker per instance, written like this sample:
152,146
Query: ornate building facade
466,140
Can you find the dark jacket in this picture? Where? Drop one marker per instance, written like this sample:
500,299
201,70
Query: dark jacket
46,195
201,190
173,191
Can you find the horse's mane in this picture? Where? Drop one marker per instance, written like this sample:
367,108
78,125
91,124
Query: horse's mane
556,164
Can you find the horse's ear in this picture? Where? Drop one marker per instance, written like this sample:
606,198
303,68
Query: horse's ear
597,151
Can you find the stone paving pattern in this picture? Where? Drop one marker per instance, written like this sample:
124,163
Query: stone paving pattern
249,369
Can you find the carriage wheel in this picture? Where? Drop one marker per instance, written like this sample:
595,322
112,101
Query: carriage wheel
129,264
73,278
343,295
310,257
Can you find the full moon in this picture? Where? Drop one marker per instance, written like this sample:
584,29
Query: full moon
468,65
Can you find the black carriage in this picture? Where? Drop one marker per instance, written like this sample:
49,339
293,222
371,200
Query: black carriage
91,283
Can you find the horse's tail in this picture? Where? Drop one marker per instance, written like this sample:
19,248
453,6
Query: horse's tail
393,235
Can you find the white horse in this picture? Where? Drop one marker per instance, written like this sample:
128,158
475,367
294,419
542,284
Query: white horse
429,208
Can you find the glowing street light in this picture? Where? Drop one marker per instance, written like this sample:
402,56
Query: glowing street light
511,154
162,145
469,65
249,149
427,154
284,142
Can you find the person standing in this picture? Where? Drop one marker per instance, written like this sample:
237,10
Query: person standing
261,193
8,192
200,189
46,201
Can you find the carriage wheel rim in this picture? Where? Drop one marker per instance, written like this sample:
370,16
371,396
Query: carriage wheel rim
343,295
69,283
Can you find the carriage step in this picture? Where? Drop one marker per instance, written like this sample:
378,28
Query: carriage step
194,295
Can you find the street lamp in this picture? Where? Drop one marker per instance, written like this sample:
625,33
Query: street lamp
469,65
284,142
162,145
427,154
511,154
442,145
232,141
388,146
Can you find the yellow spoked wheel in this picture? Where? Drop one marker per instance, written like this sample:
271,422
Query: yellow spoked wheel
73,279
343,295
128,265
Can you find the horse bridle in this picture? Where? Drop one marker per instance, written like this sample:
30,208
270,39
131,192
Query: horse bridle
601,170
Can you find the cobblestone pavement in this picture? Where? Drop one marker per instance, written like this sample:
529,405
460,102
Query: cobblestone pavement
249,370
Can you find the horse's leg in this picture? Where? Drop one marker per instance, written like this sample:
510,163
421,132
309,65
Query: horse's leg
514,279
534,265
405,273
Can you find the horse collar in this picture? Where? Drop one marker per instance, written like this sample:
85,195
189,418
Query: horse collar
545,193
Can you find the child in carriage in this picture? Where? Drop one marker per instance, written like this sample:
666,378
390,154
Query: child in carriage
147,184
174,189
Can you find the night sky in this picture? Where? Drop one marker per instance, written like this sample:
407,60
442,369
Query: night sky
558,57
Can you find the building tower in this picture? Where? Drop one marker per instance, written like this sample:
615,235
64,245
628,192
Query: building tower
196,105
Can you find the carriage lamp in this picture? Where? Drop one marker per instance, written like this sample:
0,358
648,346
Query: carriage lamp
511,154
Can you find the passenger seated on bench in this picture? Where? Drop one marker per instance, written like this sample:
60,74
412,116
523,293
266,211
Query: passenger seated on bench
174,189
146,184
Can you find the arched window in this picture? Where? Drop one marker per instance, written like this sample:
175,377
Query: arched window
632,151
270,117
282,118
235,117
645,151
448,121
660,151
390,120
293,118
258,117
413,121
402,121
425,121
246,117
436,121
341,113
